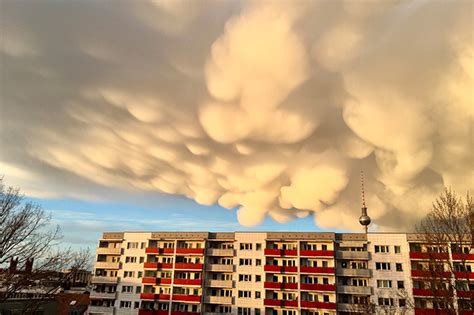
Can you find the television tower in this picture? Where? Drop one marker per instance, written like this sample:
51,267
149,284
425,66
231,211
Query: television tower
364,219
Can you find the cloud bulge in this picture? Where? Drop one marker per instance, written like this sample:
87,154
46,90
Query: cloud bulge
272,108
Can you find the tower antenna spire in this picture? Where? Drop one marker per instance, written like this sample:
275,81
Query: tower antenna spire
364,219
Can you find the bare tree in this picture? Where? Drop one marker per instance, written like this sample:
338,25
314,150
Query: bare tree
392,308
446,236
29,240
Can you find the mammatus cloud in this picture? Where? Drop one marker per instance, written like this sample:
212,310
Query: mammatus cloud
265,107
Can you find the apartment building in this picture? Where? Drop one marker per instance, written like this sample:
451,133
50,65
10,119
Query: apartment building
268,273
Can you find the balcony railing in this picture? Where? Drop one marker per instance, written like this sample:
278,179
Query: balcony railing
323,270
107,265
428,292
317,253
100,309
318,305
425,256
280,252
108,251
186,298
152,280
218,299
346,272
157,265
219,283
220,252
188,266
280,285
190,251
161,251
273,268
317,287
153,312
464,275
220,268
195,282
155,296
280,303
183,313
430,274
462,256
103,295
350,289
352,255
99,279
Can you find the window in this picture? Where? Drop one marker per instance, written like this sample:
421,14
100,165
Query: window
382,266
245,278
258,262
258,278
127,288
257,294
245,294
243,311
131,245
381,248
128,274
258,246
138,289
245,262
142,260
245,246
125,304
142,245
402,302
130,259
386,301
257,311
400,285
140,274
324,247
399,267
136,305
326,298
398,249
384,283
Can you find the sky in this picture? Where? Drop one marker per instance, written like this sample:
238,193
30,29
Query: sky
235,115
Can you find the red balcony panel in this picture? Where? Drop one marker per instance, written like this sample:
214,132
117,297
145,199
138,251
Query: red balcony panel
152,250
188,281
150,265
187,266
429,311
280,285
280,303
428,292
186,298
461,256
163,297
464,275
467,312
272,268
147,296
320,305
317,253
272,252
149,280
465,294
165,266
430,274
420,255
163,281
166,250
152,312
280,252
318,287
183,313
325,270
190,251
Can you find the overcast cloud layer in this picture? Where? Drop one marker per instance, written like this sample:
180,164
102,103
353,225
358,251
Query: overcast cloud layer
272,108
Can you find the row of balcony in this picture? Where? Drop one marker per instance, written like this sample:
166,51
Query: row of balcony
294,253
303,286
167,297
194,282
164,312
172,251
435,293
303,269
180,266
441,274
304,304
430,311
440,256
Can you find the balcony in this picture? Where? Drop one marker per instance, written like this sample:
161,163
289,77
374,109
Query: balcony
280,303
350,289
153,281
323,270
157,265
429,256
464,257
430,274
465,294
316,253
346,272
317,287
152,312
153,296
280,285
352,255
318,305
352,308
273,268
186,298
220,268
187,266
98,279
159,251
220,252
108,251
103,295
464,275
183,313
194,282
219,283
107,265
430,311
100,309
189,251
218,299
280,252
